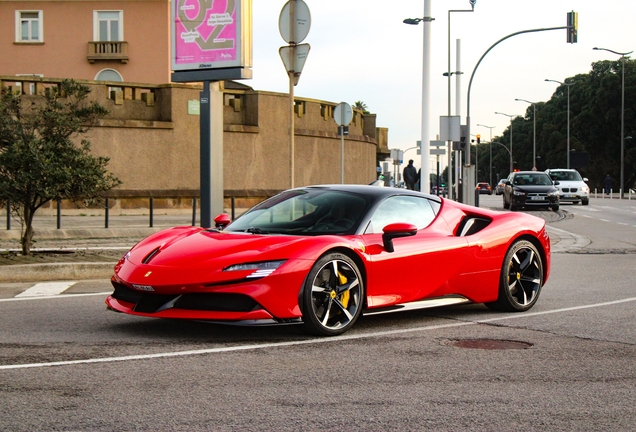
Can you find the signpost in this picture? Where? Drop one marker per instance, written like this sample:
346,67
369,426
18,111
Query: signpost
293,23
342,114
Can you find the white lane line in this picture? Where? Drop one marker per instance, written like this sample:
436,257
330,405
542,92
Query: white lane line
308,341
604,220
48,297
47,289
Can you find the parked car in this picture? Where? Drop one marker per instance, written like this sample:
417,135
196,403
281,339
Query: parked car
320,256
500,186
484,188
572,187
530,189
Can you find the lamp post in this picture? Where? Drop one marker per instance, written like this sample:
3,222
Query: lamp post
510,151
425,177
490,141
534,131
568,127
622,109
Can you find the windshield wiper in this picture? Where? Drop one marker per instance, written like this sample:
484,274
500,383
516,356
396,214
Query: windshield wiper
255,230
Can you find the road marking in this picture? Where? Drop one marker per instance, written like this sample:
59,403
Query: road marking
47,289
604,220
308,341
48,297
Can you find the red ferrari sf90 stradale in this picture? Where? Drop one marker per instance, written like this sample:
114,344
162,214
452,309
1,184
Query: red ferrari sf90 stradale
321,256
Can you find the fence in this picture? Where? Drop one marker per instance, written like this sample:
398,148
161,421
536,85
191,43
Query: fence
107,217
611,194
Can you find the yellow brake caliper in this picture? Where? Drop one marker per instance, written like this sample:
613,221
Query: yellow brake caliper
344,297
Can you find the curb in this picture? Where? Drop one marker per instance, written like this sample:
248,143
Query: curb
51,272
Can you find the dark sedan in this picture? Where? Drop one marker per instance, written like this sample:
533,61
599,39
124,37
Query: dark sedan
530,189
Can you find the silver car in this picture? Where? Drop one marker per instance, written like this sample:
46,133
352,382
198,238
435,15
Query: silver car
572,187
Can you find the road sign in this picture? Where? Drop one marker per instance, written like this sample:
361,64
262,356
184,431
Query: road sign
436,151
343,114
294,57
294,21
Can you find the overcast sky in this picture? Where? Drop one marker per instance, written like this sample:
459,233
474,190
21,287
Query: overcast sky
361,50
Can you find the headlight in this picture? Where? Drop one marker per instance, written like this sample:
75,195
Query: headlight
585,189
260,269
518,193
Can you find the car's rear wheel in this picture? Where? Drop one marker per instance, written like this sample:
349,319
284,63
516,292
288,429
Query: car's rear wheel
333,295
521,278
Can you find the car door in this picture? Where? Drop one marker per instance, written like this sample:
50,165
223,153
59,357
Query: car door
420,265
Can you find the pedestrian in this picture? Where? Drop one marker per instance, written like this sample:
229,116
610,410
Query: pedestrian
410,175
607,183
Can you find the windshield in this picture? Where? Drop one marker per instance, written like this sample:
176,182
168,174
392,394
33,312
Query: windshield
565,176
533,179
304,212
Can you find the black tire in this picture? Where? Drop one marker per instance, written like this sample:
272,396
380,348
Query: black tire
555,207
333,295
585,202
521,278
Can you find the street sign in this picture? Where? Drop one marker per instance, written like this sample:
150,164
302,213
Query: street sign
343,114
436,151
449,128
296,53
294,21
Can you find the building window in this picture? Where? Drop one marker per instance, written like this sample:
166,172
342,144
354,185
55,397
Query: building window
28,26
108,26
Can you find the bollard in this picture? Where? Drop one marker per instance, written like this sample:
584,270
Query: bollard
106,213
59,214
152,205
194,211
8,215
233,209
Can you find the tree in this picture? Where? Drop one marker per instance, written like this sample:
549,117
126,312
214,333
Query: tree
359,105
40,160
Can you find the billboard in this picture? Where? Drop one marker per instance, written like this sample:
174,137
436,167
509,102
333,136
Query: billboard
211,34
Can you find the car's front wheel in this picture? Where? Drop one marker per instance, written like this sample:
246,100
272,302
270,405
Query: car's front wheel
585,201
521,278
333,295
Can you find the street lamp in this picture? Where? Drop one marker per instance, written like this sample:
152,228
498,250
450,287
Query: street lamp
534,129
510,151
568,127
622,108
425,179
489,127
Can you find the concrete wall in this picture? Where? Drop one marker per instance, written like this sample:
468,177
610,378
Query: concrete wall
153,141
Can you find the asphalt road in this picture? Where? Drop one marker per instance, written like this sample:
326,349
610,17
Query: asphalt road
568,364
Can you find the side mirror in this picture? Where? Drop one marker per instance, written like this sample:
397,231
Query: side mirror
556,183
396,230
585,179
222,220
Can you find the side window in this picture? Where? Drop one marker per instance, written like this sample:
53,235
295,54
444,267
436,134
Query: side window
414,210
108,26
28,26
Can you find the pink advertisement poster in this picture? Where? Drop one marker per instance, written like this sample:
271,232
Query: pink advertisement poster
206,34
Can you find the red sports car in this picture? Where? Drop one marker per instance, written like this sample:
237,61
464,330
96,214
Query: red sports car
321,256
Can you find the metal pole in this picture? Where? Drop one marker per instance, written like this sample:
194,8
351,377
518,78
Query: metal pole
425,178
106,212
622,126
568,131
534,135
152,208
59,214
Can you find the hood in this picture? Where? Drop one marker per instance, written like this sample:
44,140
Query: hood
535,188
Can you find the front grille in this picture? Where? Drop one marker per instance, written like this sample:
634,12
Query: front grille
217,302
150,302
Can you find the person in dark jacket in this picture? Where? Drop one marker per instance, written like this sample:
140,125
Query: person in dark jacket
410,175
607,183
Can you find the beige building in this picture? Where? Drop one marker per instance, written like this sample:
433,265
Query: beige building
152,132
91,40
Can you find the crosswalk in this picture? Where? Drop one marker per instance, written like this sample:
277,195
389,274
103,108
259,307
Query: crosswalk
46,289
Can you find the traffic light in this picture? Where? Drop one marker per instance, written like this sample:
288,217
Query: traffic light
478,138
573,26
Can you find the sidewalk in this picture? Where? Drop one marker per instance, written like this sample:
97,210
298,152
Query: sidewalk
80,233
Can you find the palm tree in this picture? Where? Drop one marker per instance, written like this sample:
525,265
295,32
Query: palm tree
359,105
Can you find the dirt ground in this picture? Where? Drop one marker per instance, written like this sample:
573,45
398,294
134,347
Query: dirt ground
61,256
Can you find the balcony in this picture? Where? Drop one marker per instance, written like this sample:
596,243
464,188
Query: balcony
107,50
